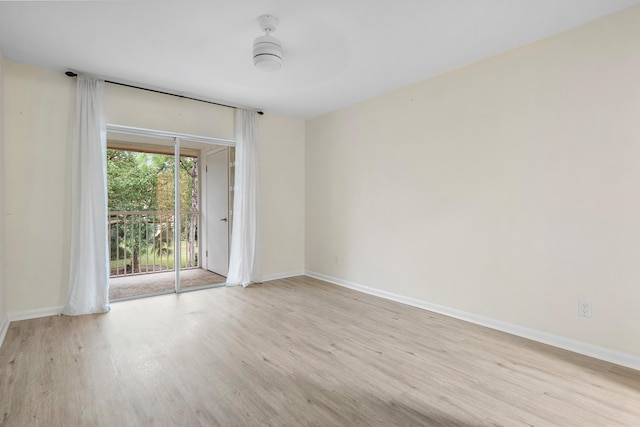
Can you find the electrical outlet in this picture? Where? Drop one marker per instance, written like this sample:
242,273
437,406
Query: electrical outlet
584,308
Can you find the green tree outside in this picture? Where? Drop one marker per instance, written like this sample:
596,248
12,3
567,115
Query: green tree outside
144,182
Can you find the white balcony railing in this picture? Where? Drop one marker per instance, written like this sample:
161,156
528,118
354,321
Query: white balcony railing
142,242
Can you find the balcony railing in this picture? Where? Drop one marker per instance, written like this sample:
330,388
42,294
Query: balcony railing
142,242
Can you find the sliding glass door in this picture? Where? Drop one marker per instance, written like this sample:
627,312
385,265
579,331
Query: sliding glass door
159,234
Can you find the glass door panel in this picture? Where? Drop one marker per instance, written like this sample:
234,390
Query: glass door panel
140,221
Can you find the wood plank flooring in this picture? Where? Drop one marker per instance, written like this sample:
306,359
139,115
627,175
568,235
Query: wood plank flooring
296,352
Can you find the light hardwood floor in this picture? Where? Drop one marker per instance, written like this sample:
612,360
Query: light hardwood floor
296,352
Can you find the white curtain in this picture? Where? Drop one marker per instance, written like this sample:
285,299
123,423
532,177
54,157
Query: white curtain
89,274
245,260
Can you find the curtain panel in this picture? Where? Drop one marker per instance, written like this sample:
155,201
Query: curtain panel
89,265
245,259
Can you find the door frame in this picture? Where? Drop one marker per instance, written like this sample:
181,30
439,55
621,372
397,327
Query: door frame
176,138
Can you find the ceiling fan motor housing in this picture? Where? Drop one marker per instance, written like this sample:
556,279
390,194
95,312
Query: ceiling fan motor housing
267,50
267,53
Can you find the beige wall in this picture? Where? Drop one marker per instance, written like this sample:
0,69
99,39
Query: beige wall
38,126
507,189
281,163
139,108
3,309
39,123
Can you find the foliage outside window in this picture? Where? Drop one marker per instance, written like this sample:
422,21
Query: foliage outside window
141,204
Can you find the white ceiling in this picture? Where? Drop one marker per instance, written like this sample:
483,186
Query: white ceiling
337,52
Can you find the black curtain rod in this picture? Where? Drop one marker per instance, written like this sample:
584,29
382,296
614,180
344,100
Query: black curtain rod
72,74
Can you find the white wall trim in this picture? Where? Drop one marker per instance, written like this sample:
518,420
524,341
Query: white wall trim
270,277
4,327
34,314
590,350
161,134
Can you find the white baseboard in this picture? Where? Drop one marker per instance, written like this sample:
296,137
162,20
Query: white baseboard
590,350
34,314
283,275
4,327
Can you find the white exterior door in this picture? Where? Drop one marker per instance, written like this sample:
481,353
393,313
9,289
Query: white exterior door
217,176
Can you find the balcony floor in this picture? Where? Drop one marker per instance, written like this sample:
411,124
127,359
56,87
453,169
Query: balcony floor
142,284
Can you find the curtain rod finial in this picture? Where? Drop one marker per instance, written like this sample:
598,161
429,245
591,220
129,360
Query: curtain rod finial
71,74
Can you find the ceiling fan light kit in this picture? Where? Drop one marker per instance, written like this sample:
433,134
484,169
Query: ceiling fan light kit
267,50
